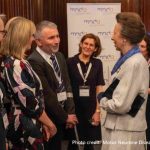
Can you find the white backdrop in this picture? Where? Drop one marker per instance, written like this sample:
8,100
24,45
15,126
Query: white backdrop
97,18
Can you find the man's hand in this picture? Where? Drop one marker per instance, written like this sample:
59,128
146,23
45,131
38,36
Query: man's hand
71,121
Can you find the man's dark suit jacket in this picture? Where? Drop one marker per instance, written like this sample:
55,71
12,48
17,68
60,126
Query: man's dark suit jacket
49,82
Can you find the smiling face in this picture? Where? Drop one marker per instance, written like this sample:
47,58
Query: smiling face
117,38
88,47
49,40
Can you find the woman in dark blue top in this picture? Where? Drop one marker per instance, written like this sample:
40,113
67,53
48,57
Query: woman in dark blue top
86,74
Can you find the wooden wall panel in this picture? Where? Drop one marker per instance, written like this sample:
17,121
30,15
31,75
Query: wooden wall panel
57,14
31,9
55,10
145,13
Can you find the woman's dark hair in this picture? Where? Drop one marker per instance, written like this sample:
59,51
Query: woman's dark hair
133,28
98,46
147,40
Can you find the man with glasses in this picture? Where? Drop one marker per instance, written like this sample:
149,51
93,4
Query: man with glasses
3,114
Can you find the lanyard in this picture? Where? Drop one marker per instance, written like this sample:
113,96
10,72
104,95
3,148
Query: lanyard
87,73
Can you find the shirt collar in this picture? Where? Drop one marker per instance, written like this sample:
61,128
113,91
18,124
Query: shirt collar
43,54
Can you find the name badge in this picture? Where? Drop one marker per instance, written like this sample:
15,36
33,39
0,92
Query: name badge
84,91
62,96
5,118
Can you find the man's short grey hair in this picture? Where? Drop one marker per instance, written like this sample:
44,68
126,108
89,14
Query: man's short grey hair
43,24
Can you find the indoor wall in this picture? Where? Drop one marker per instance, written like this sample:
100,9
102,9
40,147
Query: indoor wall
55,10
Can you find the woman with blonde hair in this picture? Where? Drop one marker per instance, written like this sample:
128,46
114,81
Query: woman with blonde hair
27,116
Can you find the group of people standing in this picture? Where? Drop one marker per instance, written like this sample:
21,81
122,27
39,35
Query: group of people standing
51,96
39,87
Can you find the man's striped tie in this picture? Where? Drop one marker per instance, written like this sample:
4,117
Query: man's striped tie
55,65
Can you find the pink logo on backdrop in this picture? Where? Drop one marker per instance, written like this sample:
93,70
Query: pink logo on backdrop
77,34
105,10
92,22
105,34
108,57
78,10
